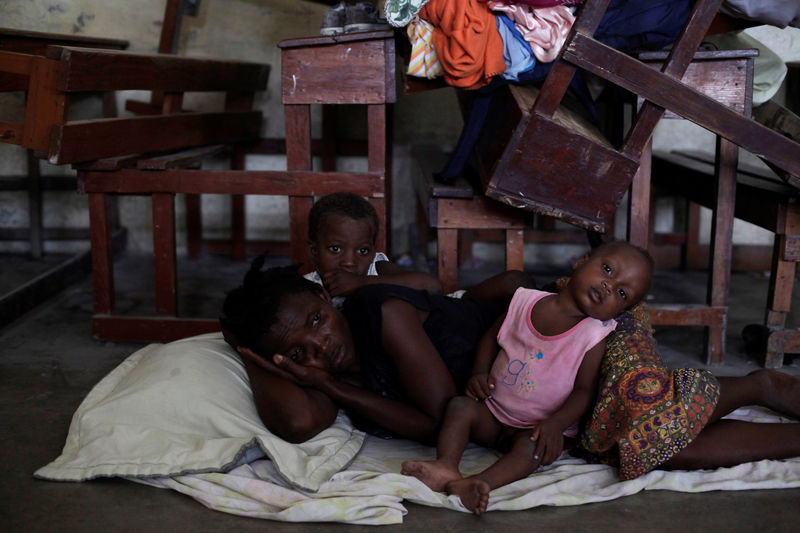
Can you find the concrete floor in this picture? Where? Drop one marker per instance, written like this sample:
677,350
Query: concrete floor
48,363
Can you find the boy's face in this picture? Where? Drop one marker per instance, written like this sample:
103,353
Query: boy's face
343,243
609,281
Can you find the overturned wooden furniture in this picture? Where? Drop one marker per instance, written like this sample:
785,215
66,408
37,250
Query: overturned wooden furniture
761,199
16,77
554,167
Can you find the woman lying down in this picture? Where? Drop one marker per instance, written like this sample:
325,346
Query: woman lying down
395,357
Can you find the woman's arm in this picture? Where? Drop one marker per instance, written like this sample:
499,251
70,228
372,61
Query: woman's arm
342,283
403,419
292,412
389,272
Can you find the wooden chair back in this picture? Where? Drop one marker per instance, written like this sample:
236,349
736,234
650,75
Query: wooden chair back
552,164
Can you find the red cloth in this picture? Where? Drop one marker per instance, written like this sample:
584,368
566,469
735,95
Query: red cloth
467,42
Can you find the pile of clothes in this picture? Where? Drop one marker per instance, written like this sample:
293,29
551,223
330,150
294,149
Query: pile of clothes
471,42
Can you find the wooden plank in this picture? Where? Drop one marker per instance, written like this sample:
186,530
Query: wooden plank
476,213
324,40
721,80
181,159
14,63
95,139
102,260
557,81
347,73
689,103
194,225
84,69
447,258
686,315
11,133
46,107
150,328
35,42
266,182
164,260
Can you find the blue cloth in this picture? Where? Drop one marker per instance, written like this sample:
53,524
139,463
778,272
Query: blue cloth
517,53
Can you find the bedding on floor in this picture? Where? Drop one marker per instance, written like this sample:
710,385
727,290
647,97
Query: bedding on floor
181,416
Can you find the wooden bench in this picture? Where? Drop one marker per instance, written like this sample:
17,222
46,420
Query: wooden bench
763,199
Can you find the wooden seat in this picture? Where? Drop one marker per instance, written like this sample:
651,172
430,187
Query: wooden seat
761,199
452,208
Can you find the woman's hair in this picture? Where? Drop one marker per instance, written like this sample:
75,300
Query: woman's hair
344,203
252,308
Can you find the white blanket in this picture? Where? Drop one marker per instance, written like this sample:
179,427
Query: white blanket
371,490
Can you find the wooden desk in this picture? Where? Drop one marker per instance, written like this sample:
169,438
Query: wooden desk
353,68
33,43
726,76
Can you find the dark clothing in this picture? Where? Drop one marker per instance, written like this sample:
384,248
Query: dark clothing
454,326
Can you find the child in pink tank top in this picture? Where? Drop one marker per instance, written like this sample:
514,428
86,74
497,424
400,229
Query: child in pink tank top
535,374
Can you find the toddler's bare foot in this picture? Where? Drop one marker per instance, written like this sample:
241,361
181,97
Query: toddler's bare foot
781,391
435,474
474,493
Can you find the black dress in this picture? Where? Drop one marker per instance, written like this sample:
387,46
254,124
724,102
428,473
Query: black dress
455,326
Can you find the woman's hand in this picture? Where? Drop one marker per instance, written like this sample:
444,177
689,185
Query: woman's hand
480,387
549,440
304,376
283,367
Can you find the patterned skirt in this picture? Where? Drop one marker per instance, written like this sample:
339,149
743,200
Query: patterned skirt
645,413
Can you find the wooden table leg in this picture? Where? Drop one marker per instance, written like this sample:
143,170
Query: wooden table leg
727,159
447,253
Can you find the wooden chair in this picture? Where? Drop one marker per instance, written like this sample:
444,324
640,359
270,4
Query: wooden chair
545,162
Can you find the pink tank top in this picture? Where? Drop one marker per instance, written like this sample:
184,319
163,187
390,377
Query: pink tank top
534,373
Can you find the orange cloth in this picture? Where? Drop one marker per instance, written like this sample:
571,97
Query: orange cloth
467,42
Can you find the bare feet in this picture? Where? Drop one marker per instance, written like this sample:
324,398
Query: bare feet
781,391
435,474
474,493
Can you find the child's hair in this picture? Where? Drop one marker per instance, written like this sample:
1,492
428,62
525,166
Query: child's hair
252,308
345,203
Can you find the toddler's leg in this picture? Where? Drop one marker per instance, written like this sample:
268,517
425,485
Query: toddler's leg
463,418
516,464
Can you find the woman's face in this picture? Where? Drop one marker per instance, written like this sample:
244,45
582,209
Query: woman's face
311,332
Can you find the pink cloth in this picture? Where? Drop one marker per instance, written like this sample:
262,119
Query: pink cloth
534,373
545,29
544,3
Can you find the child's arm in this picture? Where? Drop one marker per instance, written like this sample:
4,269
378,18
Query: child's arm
549,434
341,283
480,385
389,272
